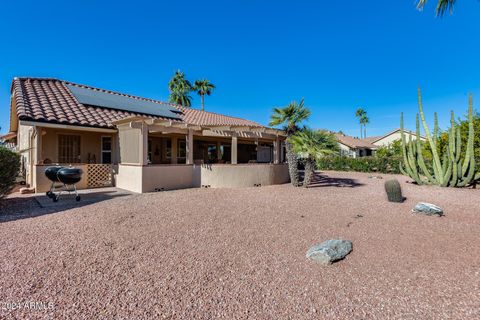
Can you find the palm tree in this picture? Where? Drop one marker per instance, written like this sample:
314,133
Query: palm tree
203,87
180,97
180,88
290,117
359,114
311,145
364,120
442,6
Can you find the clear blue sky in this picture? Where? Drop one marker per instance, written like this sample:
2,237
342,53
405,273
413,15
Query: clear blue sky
339,55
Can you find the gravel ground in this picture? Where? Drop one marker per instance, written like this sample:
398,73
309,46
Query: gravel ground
240,253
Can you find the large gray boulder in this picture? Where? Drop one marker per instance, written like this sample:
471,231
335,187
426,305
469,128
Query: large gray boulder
427,209
329,251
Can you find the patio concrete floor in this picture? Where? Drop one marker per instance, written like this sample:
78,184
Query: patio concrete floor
87,196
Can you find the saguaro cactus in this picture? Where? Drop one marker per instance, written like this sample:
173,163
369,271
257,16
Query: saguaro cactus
452,170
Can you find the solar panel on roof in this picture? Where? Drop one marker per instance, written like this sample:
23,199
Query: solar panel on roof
114,101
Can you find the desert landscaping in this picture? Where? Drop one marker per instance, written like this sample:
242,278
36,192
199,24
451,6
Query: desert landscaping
240,253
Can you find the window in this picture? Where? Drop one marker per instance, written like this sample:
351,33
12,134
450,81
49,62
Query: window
212,152
168,148
106,149
68,148
149,147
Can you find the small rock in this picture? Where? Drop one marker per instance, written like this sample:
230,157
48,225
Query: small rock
329,251
428,209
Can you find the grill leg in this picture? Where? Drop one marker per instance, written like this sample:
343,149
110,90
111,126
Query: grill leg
50,192
77,197
55,199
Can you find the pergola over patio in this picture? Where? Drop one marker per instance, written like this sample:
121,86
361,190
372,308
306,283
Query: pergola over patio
143,168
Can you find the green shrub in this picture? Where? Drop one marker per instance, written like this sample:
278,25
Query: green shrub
363,164
9,166
392,150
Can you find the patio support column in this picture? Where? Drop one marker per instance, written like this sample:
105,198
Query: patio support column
234,149
38,145
219,151
276,150
174,150
189,155
282,148
143,144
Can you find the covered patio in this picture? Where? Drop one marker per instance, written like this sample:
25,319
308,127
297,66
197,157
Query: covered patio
93,150
158,155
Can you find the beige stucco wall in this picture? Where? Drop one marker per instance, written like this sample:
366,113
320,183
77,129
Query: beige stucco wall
23,143
23,137
130,138
157,177
232,176
170,177
129,178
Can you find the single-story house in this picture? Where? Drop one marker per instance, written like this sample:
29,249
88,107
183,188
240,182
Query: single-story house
355,147
135,143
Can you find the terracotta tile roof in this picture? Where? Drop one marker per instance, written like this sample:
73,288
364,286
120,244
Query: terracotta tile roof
8,136
353,142
50,100
372,139
198,117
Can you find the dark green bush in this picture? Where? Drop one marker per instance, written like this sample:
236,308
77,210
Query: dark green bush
363,164
9,166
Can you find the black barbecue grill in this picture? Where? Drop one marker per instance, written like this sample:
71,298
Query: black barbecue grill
64,179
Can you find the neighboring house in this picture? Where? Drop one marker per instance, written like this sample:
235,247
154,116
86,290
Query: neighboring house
135,143
5,141
355,147
389,138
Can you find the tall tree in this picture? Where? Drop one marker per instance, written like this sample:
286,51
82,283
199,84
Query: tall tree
291,118
203,87
364,120
359,114
180,89
442,6
311,145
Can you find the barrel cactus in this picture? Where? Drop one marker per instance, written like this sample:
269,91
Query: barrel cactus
394,191
451,169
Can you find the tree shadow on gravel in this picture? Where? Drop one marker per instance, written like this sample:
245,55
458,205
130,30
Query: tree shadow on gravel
17,208
322,180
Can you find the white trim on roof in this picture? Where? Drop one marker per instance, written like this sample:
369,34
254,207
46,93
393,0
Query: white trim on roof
65,126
